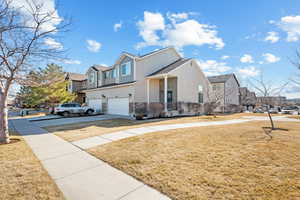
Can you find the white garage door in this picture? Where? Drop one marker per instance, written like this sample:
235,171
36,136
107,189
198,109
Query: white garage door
118,106
96,104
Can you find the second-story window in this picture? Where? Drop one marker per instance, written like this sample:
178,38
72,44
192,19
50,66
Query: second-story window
214,87
126,69
91,77
200,94
113,73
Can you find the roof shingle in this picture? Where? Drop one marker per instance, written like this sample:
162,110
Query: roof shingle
170,67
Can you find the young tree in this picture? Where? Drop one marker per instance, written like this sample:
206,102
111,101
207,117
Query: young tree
265,90
28,34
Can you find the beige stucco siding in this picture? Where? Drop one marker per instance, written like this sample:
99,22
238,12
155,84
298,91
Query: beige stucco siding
115,92
93,83
148,65
231,92
154,90
189,77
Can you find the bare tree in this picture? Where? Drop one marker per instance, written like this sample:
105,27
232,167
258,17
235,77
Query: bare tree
23,35
266,90
216,99
296,62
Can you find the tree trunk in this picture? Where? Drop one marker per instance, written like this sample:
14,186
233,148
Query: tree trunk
4,135
270,117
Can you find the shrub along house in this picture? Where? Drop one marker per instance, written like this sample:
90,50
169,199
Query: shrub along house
160,83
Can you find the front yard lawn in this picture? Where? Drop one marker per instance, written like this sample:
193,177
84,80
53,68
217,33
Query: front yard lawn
294,117
22,175
218,162
73,132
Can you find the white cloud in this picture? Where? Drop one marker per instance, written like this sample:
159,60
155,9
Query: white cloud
154,31
270,58
175,17
53,43
93,45
291,25
246,72
118,26
246,58
74,62
212,67
291,91
148,28
47,7
225,57
272,37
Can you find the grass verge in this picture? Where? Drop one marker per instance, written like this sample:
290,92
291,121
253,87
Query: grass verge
217,162
22,175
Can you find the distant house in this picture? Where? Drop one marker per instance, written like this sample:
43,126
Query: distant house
160,83
272,100
77,82
226,88
247,99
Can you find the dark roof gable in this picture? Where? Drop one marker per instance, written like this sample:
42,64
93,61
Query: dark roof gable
222,78
170,67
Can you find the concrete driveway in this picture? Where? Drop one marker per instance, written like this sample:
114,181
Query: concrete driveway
73,120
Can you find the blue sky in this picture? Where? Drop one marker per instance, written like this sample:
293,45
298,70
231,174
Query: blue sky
246,37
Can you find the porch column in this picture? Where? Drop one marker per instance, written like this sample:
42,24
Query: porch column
148,94
166,93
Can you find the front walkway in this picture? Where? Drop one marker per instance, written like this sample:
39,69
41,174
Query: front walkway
79,175
110,137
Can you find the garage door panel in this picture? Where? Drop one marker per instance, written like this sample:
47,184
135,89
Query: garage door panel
96,104
118,106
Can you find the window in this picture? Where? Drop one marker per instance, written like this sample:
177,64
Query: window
113,73
214,87
200,94
126,69
91,77
106,74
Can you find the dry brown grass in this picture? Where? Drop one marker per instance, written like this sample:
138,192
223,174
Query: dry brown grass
217,162
73,132
294,117
22,175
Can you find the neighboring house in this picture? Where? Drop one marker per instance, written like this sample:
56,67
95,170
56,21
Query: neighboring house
247,99
272,100
226,89
160,83
76,82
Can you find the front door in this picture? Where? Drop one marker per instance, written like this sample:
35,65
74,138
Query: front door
170,96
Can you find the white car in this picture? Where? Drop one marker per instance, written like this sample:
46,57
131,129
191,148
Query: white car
67,109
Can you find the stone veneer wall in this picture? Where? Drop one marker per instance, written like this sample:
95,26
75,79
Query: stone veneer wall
156,109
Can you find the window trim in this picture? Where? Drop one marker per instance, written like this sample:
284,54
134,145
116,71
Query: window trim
126,64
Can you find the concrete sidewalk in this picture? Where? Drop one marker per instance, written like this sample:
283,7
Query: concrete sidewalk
73,120
79,175
110,137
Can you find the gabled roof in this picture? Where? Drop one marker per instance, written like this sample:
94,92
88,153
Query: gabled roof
76,76
222,78
170,67
99,67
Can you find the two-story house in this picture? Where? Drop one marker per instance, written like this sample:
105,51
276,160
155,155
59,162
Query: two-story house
160,83
76,83
226,89
247,99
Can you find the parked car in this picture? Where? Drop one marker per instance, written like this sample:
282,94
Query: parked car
258,110
273,110
290,110
67,109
